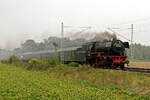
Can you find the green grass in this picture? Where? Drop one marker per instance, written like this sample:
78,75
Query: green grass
112,79
20,84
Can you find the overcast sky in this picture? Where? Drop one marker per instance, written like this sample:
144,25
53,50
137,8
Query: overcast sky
22,19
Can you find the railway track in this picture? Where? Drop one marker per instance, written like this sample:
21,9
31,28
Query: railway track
142,70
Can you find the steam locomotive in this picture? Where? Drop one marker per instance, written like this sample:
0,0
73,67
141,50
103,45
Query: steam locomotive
107,53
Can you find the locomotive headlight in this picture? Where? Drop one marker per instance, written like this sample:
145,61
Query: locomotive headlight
118,44
105,57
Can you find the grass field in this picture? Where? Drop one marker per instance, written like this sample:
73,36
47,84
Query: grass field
69,84
124,80
140,64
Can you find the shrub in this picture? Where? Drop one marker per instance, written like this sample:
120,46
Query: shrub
53,61
34,62
42,64
21,64
73,64
13,59
5,61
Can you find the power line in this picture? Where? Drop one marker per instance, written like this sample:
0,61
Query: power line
111,29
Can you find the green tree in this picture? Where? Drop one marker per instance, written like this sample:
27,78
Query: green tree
29,45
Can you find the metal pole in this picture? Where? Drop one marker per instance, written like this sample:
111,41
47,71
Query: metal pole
62,40
62,30
132,42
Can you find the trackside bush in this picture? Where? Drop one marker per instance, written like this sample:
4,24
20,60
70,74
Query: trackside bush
73,64
13,59
4,61
34,62
42,64
53,61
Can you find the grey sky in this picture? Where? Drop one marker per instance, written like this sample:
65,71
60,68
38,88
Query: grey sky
21,19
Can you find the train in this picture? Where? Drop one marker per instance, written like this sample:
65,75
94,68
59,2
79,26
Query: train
106,54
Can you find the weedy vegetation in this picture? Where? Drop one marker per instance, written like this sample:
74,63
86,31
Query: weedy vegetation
49,79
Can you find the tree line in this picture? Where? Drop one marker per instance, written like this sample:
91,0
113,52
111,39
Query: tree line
140,52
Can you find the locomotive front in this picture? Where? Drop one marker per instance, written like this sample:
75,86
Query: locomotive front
118,47
108,54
